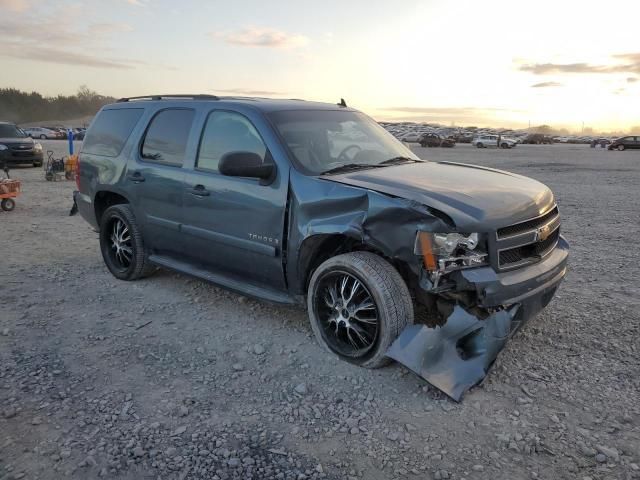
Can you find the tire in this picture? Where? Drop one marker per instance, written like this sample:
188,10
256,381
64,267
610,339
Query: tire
620,148
43,137
130,261
505,145
479,145
37,164
7,204
380,284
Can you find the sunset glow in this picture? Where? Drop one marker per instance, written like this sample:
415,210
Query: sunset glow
500,63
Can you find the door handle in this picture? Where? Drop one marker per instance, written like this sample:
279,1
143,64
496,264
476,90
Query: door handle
136,177
199,191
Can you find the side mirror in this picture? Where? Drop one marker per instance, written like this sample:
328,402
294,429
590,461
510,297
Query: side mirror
246,164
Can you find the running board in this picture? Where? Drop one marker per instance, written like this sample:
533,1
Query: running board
223,281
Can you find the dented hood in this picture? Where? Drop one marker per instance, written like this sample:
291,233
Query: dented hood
469,194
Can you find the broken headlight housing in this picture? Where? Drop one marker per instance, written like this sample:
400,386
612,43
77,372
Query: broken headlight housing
445,252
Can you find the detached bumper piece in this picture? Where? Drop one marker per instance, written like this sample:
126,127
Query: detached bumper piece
74,207
456,356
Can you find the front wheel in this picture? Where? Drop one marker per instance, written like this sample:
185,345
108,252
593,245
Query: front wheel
479,145
43,137
121,244
358,304
620,148
7,204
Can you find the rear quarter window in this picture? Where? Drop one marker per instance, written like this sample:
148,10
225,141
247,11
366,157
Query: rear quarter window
110,131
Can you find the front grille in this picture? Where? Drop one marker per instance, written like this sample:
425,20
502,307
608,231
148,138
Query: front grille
23,153
531,252
527,226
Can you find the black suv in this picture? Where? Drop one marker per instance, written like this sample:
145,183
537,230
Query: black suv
435,140
432,264
16,147
624,143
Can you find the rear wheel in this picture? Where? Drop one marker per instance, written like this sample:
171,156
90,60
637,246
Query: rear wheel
620,148
505,145
7,204
43,137
358,304
122,245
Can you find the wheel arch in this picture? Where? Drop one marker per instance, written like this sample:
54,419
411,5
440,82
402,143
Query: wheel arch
105,199
318,248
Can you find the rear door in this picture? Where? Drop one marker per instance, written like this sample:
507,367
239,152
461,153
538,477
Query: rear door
155,178
233,225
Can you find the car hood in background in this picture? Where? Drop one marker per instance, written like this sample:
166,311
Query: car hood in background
472,196
16,141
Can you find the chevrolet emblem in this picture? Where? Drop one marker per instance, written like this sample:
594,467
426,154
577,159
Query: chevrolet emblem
543,233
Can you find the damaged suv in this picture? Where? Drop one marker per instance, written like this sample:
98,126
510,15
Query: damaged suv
433,264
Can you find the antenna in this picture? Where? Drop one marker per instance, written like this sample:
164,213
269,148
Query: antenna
342,103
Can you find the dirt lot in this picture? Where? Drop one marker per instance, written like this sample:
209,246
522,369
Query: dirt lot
173,378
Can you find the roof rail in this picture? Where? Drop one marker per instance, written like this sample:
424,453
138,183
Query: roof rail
170,96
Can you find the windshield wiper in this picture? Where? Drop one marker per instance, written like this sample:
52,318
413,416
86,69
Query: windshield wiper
393,160
349,167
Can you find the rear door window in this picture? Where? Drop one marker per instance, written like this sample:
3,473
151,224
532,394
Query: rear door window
166,139
110,131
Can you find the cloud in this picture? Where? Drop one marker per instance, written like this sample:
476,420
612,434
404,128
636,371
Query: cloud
460,115
104,29
630,64
137,3
632,79
56,39
446,110
53,55
244,91
16,6
262,37
546,84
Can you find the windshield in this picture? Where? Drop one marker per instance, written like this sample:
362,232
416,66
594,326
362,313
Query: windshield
10,131
326,140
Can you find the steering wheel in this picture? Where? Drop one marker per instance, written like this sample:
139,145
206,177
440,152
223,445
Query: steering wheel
343,154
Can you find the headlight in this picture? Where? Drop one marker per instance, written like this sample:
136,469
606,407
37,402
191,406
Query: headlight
445,252
37,147
3,148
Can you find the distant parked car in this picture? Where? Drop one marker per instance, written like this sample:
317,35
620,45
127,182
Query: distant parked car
625,142
62,132
78,133
464,138
491,141
17,148
538,139
411,137
434,140
42,133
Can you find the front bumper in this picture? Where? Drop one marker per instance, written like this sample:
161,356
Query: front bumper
458,354
17,158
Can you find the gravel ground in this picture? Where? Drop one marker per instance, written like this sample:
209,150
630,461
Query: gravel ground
173,378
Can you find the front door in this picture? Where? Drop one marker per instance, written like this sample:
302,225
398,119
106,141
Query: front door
232,225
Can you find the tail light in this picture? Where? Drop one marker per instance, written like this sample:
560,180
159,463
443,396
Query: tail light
78,172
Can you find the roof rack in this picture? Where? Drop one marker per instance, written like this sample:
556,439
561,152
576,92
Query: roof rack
170,96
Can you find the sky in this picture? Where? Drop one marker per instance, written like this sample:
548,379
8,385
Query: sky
500,63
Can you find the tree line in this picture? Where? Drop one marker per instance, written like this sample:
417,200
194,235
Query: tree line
23,107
